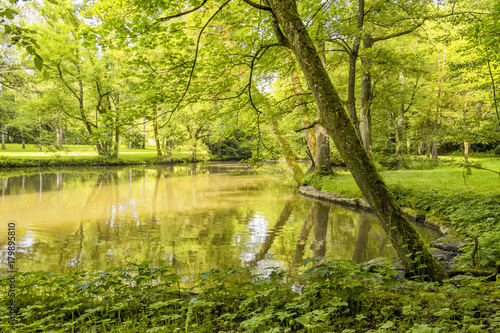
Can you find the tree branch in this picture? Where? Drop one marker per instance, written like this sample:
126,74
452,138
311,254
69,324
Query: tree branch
263,48
166,18
258,6
308,127
194,65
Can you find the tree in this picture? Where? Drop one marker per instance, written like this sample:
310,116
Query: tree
416,258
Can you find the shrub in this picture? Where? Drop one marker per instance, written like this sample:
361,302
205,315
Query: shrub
497,151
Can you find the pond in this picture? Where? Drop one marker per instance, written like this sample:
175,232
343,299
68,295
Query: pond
193,217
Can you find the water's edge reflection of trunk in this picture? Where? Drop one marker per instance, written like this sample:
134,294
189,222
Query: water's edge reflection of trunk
301,244
360,254
321,212
271,236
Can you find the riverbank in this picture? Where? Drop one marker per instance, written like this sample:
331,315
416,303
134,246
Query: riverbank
446,197
83,155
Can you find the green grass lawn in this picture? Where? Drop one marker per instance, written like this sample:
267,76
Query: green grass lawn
85,152
446,179
32,152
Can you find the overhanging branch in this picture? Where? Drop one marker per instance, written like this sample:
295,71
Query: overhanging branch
258,6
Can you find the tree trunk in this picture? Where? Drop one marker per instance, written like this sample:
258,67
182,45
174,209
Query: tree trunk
399,121
396,137
296,171
353,58
412,252
116,145
23,143
58,140
365,116
157,139
434,150
351,88
436,120
322,150
130,140
144,132
466,151
3,137
169,150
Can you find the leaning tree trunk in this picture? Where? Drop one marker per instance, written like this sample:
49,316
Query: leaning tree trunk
414,255
290,159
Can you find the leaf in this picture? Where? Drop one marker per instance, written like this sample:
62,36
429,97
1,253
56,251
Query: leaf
46,75
54,2
387,325
303,320
38,63
9,13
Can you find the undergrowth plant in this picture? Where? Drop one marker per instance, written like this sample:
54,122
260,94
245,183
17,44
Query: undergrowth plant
325,296
471,214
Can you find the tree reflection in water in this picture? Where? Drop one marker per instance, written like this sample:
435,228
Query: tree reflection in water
194,220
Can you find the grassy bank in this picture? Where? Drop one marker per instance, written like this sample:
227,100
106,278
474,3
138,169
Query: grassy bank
444,178
469,202
83,155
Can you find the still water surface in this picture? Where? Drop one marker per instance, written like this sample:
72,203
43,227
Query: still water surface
191,217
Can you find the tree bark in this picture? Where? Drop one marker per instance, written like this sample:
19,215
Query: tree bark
365,116
353,58
322,150
144,132
414,255
116,146
157,139
3,136
169,150
466,151
130,140
436,119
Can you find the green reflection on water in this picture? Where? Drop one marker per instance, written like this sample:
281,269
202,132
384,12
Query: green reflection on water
191,217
